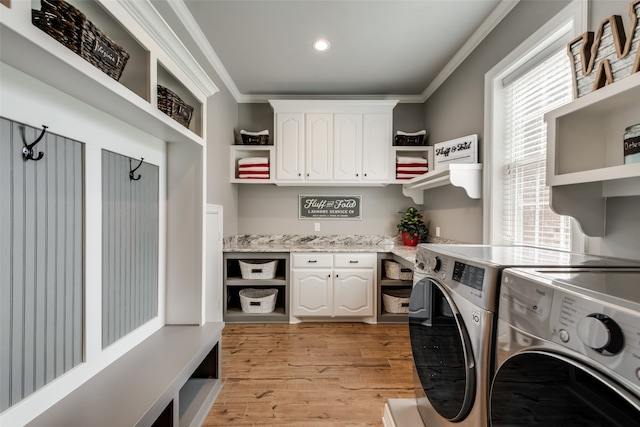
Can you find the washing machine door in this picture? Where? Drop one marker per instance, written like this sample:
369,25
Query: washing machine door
544,389
442,355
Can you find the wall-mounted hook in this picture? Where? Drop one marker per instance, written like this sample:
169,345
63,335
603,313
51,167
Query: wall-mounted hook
131,171
27,150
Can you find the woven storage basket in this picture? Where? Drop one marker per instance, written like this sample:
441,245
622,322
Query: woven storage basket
71,28
174,107
258,300
410,140
255,139
251,269
396,271
396,300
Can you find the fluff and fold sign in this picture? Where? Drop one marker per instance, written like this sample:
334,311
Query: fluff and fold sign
609,57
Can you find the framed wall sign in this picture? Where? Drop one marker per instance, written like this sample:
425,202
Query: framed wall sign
330,207
460,150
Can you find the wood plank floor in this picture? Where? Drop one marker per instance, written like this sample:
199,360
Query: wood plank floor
311,374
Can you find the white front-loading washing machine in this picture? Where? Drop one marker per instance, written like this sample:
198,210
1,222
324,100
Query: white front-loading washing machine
568,349
452,320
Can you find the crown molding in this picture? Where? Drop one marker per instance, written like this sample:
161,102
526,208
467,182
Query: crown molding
148,17
188,21
478,36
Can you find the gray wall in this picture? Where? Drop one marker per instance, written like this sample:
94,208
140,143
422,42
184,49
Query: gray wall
267,209
457,109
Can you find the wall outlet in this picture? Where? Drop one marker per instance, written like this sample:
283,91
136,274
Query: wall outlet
437,231
316,226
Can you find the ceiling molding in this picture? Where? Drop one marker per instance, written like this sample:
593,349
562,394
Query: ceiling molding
478,36
149,18
188,21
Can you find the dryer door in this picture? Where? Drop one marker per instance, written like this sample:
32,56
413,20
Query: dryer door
442,355
546,389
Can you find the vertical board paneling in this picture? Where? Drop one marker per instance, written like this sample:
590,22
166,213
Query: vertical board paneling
130,222
41,262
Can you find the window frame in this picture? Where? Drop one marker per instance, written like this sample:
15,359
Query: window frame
573,18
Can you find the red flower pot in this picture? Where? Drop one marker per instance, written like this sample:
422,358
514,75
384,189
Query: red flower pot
408,240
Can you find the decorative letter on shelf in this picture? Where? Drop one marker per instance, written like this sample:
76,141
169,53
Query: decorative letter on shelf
612,57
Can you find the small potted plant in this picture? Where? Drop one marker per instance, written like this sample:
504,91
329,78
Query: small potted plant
412,227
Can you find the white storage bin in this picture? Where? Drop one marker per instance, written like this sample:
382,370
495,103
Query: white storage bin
258,269
258,300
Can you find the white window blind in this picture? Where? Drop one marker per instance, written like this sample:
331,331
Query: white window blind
526,216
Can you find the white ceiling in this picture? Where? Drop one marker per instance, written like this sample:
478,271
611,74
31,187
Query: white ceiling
379,48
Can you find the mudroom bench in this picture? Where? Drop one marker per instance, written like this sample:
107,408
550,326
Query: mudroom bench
170,379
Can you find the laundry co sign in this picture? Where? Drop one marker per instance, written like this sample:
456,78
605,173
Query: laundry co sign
330,207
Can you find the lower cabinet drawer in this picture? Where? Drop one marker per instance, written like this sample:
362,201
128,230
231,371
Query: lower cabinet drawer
354,260
312,260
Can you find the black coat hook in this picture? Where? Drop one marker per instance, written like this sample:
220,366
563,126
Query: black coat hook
131,171
27,150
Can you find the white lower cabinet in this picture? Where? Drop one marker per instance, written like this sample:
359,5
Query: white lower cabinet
333,285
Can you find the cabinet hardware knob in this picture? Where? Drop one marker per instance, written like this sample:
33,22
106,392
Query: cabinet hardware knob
357,174
365,174
312,261
353,262
299,174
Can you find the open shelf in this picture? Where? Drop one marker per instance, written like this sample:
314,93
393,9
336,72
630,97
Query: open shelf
245,151
585,162
465,175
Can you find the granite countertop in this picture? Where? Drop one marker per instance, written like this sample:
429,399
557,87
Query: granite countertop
311,243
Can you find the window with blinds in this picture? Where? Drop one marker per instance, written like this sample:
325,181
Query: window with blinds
526,216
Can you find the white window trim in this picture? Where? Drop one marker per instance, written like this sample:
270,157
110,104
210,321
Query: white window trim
574,15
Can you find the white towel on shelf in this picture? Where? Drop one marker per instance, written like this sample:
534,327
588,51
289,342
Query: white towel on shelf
253,168
411,160
262,132
407,175
421,132
254,161
253,176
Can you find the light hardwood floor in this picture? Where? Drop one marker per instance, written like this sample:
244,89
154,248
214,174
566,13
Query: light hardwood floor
311,374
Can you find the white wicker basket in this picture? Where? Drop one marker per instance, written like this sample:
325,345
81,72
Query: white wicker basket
258,269
258,300
396,271
396,300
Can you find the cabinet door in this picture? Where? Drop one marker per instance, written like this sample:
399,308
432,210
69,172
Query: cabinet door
353,292
312,292
318,147
347,147
290,146
376,146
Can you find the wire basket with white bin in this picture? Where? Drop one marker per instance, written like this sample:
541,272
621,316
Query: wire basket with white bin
396,300
396,271
258,269
258,300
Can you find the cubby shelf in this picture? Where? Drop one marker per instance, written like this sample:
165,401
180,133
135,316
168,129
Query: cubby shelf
27,48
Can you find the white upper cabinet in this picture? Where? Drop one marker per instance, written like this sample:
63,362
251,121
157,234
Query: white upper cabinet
585,161
290,147
333,142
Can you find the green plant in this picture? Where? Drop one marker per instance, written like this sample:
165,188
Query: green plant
412,222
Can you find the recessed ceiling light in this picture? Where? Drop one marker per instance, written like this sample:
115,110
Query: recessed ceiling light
321,45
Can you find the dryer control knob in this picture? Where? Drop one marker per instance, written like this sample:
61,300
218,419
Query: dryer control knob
434,263
601,333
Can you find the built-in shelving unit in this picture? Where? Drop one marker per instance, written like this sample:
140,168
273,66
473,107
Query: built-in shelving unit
425,152
387,284
585,162
464,175
245,151
130,106
234,283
